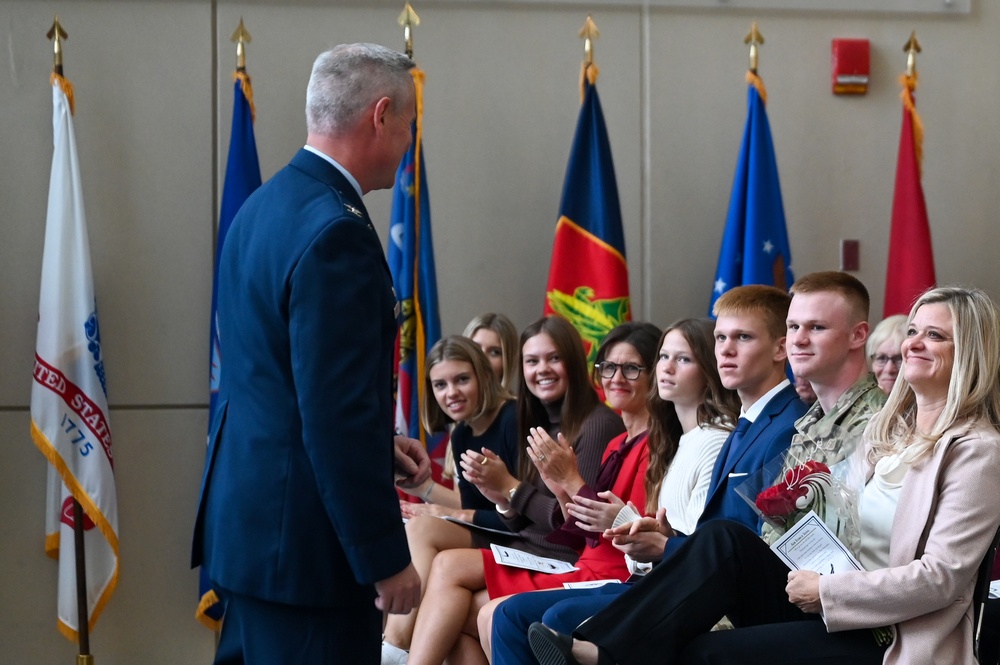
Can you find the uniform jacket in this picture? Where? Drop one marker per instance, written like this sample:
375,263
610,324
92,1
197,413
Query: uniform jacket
948,513
297,503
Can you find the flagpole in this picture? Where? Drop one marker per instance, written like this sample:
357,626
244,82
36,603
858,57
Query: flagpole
83,624
56,34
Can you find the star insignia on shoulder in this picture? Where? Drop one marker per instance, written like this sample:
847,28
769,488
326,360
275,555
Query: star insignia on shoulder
354,211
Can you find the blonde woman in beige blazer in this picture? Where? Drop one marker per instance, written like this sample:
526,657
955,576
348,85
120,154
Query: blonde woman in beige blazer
941,424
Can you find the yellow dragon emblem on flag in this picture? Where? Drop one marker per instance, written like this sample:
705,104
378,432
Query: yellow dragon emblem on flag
593,319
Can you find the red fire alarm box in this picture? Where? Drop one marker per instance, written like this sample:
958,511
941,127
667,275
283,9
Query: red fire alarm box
850,63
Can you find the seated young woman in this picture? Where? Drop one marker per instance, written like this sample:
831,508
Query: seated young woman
463,390
497,337
558,399
691,414
928,510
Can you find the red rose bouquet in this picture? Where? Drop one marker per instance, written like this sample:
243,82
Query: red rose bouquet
801,489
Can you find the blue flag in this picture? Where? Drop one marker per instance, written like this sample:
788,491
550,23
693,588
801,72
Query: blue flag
411,260
242,178
755,247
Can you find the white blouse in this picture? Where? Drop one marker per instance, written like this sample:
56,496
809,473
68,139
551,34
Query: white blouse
878,509
685,486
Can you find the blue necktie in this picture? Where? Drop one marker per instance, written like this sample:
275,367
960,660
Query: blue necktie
742,425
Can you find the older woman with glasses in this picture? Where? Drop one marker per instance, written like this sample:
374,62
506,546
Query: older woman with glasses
884,356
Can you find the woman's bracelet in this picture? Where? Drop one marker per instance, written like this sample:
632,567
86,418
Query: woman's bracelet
426,495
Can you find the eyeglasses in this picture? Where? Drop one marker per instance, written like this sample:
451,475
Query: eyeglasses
883,360
630,371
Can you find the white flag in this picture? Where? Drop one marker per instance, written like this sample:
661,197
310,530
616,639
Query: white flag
69,405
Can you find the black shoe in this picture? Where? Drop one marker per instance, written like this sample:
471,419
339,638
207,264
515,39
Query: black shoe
550,647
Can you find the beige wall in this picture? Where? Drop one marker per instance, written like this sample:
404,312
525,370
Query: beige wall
154,103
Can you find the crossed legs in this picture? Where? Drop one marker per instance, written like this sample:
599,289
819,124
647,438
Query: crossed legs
426,536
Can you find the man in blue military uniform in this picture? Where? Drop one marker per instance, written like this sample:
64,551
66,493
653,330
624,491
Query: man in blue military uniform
298,523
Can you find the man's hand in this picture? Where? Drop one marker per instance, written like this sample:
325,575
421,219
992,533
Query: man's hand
412,462
400,593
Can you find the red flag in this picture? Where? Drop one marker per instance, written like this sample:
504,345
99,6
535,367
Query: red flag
911,258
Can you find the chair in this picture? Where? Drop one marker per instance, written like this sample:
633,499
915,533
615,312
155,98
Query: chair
982,591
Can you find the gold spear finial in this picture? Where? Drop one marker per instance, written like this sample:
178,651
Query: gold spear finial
912,48
754,39
408,18
56,34
241,37
589,33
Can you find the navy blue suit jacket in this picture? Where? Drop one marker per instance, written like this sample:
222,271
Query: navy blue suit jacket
767,437
297,502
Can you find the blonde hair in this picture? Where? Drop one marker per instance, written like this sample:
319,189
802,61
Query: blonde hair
507,333
491,394
974,388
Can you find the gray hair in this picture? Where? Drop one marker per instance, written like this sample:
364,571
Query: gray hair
892,327
347,79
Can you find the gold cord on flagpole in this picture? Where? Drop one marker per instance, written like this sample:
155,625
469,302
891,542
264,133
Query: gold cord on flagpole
589,34
908,81
241,37
408,18
755,39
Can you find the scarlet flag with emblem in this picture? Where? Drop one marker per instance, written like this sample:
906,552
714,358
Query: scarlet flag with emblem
588,276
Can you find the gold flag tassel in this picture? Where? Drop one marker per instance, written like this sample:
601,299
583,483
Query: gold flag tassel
67,89
244,79
909,84
758,83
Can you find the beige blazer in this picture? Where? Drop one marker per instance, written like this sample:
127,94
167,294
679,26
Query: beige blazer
948,513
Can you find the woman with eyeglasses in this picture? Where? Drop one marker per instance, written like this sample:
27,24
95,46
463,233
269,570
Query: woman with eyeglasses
884,356
555,465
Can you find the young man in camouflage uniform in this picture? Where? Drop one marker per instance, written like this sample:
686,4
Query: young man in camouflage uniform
827,330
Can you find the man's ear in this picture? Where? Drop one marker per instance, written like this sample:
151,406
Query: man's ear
780,352
859,334
381,114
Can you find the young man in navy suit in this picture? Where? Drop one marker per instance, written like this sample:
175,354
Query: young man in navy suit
750,353
298,524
